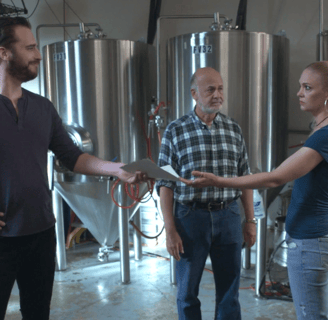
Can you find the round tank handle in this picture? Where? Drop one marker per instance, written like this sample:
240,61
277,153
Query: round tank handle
80,137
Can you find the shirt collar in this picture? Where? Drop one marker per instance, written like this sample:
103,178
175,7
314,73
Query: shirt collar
216,120
23,97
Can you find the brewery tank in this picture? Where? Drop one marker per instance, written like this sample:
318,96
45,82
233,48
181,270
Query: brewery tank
324,39
102,90
254,68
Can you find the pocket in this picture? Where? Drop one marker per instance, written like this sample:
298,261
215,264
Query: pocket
181,211
291,244
234,207
323,247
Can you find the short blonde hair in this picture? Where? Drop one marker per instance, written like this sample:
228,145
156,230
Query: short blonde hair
320,67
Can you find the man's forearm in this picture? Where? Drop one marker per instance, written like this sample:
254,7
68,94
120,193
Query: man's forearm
166,199
90,165
247,201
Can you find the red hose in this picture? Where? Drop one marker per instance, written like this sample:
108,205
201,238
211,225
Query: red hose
134,194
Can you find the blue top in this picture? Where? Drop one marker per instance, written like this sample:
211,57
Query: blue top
25,197
307,216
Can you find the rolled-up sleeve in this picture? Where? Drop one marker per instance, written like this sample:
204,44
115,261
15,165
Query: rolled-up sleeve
167,156
61,144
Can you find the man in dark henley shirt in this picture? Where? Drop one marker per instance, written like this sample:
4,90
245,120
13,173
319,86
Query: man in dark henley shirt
29,127
25,197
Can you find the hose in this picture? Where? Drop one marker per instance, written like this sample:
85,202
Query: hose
268,271
154,12
241,15
144,235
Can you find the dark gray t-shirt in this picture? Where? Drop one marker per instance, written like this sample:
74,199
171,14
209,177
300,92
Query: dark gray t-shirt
25,197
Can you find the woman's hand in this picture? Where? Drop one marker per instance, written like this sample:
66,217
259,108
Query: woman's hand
204,179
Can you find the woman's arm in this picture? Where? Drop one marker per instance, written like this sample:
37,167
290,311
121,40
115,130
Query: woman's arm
294,167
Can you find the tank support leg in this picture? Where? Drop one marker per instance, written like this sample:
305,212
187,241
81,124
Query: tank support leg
123,224
261,250
137,236
173,274
246,258
57,203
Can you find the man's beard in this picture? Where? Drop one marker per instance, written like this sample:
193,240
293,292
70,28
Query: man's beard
19,71
209,110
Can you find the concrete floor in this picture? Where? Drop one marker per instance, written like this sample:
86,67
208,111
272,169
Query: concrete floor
91,290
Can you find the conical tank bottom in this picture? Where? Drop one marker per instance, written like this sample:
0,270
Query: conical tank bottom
93,204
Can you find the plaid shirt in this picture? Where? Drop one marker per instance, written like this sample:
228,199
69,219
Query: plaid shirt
188,144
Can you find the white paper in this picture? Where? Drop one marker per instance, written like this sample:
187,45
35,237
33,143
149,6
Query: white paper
152,170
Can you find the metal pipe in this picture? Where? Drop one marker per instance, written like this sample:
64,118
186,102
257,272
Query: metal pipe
158,36
137,236
57,203
261,249
82,27
123,225
64,17
246,261
321,30
217,17
173,272
173,263
56,26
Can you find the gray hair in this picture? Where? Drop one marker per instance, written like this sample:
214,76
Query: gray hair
193,82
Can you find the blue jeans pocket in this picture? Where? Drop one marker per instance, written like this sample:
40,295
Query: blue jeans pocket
234,207
323,247
181,211
290,243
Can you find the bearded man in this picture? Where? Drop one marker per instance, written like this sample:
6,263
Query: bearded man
206,221
29,126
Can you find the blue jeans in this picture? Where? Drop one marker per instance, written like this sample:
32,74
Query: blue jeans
307,263
218,234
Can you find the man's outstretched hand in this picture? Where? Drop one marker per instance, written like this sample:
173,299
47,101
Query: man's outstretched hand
132,178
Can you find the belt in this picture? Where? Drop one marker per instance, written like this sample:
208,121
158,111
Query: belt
210,206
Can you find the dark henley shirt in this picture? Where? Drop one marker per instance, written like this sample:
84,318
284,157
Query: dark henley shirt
25,198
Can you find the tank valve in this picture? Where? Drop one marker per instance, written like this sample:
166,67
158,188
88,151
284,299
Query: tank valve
216,24
103,254
84,34
159,121
100,34
227,25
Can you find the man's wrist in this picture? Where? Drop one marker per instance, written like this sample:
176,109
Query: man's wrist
252,220
170,230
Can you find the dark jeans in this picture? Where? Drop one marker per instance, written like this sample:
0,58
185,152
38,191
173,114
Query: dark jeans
218,234
30,260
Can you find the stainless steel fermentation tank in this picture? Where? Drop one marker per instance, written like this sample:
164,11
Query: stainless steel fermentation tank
254,67
102,90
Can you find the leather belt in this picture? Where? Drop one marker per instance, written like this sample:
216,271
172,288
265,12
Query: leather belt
210,206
